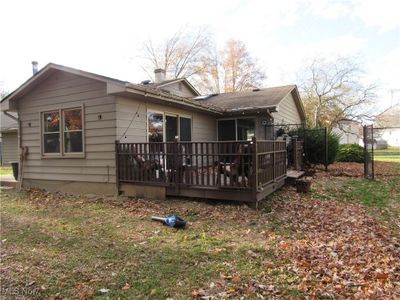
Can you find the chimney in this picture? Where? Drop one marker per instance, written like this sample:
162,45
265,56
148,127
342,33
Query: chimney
159,75
34,67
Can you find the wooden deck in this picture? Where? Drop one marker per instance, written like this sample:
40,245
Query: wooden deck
242,171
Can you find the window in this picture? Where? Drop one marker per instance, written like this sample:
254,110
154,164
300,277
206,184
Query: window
185,129
62,132
51,132
242,129
73,142
155,127
245,129
226,130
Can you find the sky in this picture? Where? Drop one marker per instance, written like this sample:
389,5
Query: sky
105,37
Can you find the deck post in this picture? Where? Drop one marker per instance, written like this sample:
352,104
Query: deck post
176,170
255,169
273,160
117,166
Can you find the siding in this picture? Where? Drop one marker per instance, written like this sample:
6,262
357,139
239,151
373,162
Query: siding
180,89
63,90
9,147
203,125
288,112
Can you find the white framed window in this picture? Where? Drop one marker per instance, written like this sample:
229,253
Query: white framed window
62,132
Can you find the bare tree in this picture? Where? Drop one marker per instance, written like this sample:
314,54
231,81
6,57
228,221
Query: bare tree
231,70
180,55
332,90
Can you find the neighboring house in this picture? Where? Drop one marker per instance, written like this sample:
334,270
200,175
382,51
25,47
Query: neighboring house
349,131
8,139
388,124
71,119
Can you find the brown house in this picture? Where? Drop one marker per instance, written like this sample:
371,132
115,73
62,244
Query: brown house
70,120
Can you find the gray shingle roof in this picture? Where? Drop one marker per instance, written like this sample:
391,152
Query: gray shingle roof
253,99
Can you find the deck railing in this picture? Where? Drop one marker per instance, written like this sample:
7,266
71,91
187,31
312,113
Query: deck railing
221,165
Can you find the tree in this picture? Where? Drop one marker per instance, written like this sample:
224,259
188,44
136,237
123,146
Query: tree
3,91
231,70
180,55
388,118
332,90
193,54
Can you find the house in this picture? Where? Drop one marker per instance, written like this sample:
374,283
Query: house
8,139
70,121
349,131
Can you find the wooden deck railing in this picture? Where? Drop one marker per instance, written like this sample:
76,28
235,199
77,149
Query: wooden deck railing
221,165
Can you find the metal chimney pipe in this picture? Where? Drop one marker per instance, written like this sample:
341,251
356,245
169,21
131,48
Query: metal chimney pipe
34,67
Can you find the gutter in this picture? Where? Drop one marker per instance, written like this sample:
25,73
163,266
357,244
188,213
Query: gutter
146,92
22,152
11,116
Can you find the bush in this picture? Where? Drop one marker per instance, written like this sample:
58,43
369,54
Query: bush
350,153
314,145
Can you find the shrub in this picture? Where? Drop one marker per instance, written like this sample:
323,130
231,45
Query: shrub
350,153
314,145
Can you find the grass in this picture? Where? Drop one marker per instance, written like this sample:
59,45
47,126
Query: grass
5,171
78,248
391,154
71,247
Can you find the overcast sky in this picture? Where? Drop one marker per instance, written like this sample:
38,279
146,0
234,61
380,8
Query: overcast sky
105,36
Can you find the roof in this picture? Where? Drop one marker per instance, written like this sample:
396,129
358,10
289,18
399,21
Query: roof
173,81
267,99
7,123
118,86
254,99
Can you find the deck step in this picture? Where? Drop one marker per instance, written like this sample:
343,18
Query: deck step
293,174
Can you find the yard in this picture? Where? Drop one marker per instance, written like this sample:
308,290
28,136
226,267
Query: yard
391,154
340,240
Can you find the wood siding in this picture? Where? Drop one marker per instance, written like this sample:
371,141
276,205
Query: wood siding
9,147
288,112
180,89
128,131
63,90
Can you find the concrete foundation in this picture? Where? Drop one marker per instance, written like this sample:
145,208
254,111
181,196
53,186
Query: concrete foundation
143,191
73,187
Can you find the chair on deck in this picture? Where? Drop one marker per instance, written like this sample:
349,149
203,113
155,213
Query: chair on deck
150,168
239,166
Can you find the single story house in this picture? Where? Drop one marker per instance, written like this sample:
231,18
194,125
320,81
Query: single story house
8,139
70,120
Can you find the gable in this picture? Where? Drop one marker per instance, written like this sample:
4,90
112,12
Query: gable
179,88
288,112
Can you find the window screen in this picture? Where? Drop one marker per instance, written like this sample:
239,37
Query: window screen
185,129
226,130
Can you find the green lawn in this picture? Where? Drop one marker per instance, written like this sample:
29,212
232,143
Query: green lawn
73,247
5,171
391,154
